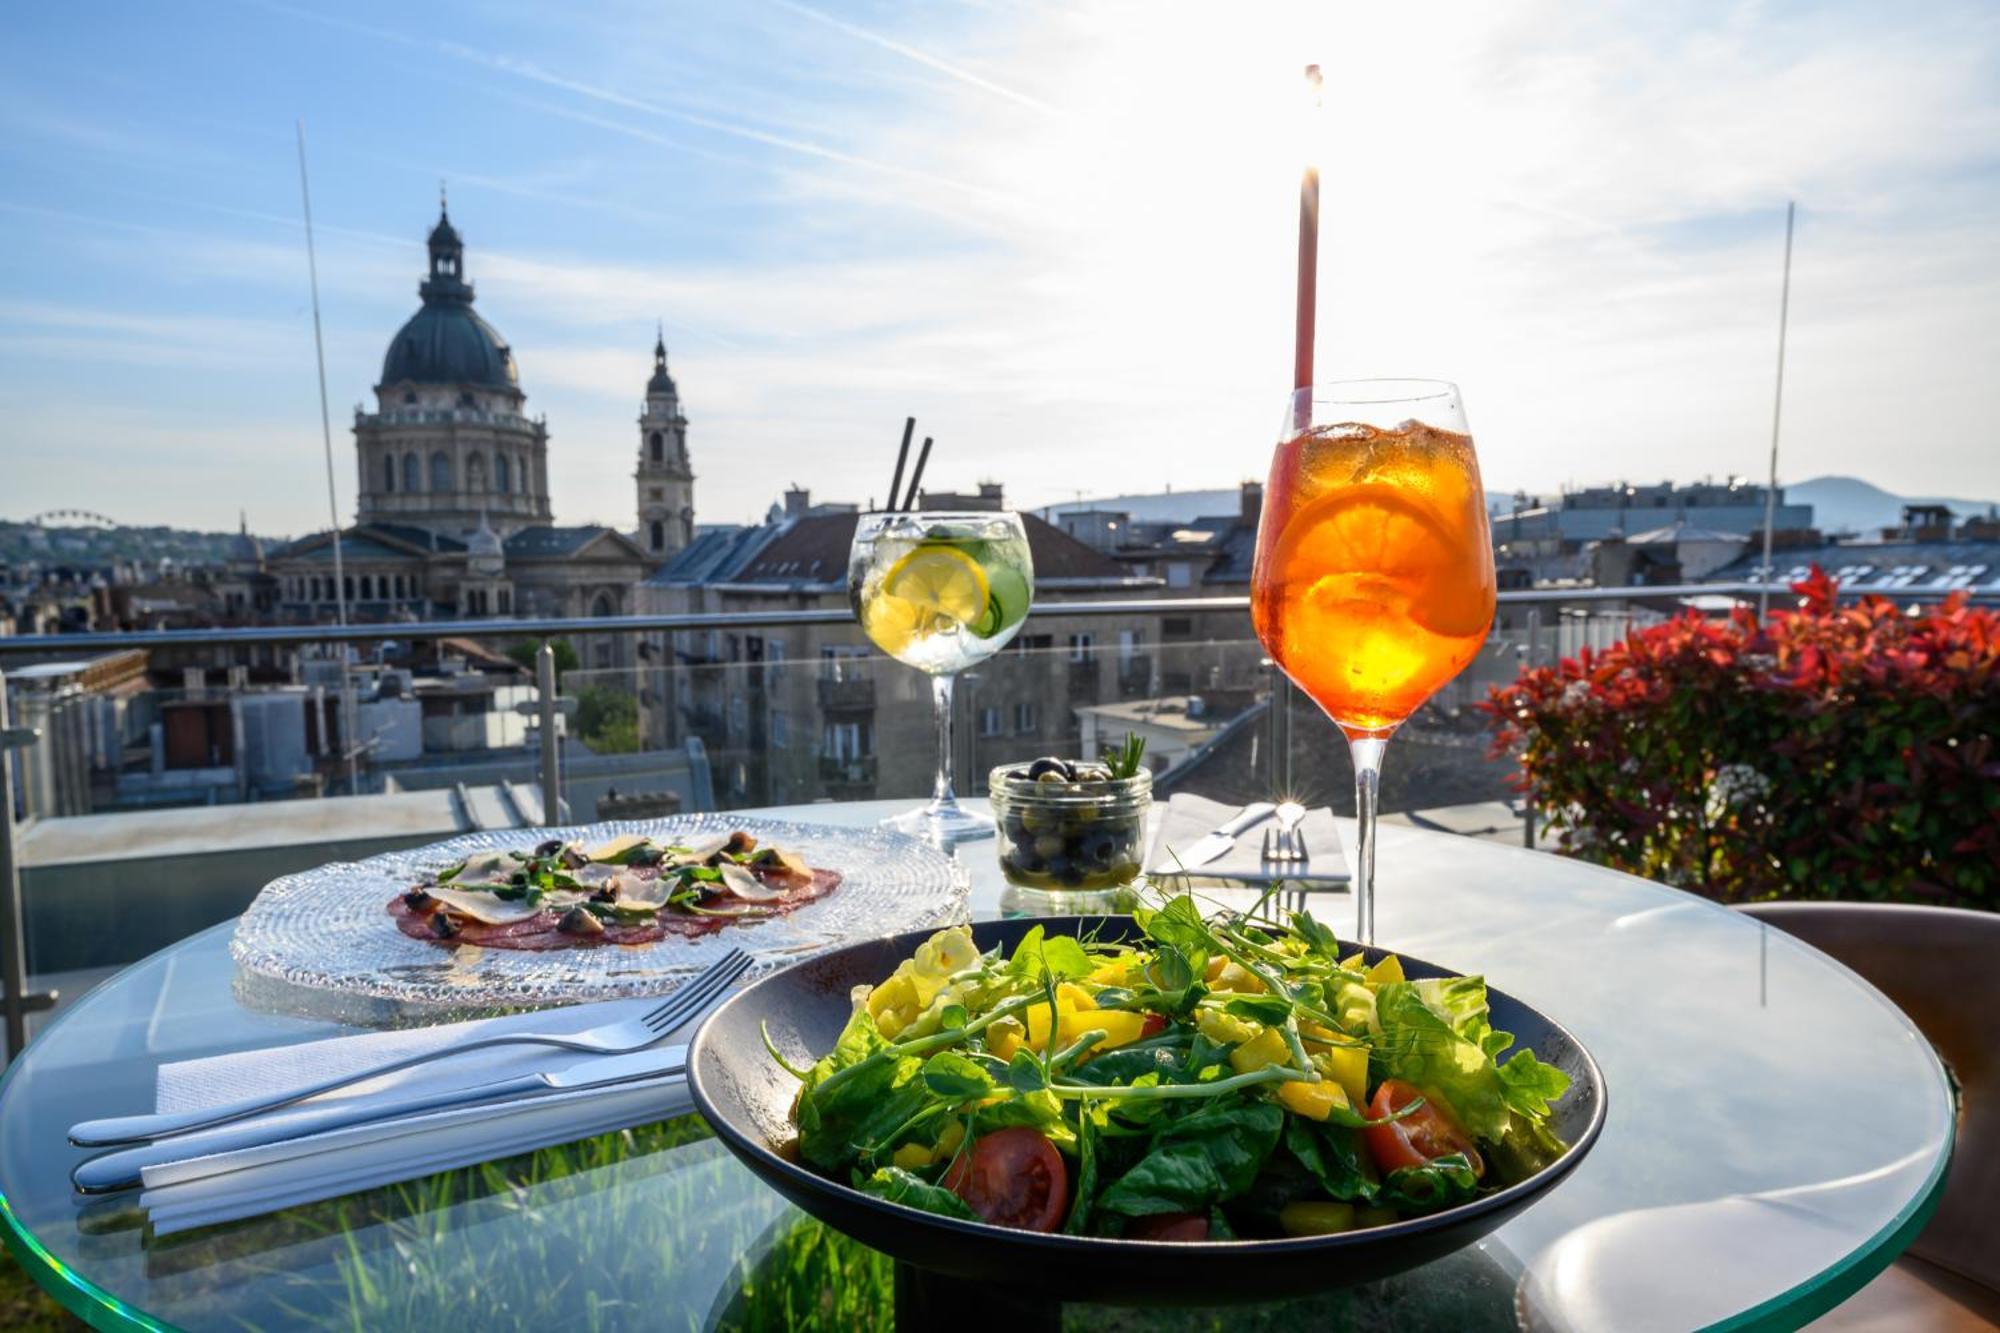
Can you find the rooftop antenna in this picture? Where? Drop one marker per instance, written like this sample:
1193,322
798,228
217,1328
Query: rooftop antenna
1777,411
326,441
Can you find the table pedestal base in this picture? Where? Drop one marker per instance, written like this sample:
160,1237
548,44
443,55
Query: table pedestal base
927,1300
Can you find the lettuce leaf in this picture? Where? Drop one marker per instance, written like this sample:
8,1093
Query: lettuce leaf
1436,1035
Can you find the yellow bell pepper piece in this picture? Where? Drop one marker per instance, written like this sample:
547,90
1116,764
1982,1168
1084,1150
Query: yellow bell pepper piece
1314,1101
1116,972
1388,970
1316,1219
1238,979
947,1144
1120,1026
1347,1066
1267,1048
1224,1029
1003,1037
894,1005
912,1156
1354,962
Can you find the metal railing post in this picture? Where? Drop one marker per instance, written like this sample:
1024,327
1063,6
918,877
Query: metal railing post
15,1001
545,685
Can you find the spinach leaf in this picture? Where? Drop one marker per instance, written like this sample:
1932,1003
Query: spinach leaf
1086,1175
1439,1183
1317,937
953,1076
1176,1178
1061,957
1334,1157
1198,1160
1269,1010
899,1186
837,1124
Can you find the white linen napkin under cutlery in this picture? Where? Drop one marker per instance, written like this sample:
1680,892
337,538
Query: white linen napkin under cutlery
303,1153
1191,818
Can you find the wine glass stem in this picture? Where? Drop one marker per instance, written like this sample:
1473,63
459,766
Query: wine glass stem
1367,754
941,792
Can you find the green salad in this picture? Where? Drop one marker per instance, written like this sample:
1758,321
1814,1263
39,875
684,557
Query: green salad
1221,1078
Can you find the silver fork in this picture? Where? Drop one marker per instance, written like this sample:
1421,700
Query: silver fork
1285,844
631,1034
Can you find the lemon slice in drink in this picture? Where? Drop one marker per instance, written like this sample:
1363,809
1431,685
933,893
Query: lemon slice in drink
933,583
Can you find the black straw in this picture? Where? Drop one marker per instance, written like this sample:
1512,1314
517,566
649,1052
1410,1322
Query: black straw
902,457
917,475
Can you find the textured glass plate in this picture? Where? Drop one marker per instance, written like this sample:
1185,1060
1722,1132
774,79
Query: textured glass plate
329,930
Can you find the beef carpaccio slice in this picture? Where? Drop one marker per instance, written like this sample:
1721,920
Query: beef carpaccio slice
538,932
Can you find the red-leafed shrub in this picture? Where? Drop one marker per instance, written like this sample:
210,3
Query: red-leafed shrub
1829,752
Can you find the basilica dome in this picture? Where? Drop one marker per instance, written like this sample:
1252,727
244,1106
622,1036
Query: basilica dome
446,342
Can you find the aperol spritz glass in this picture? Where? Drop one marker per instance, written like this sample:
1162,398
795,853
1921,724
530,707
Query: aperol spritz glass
941,592
1373,583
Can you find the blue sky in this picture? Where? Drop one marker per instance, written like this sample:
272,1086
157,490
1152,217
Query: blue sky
1058,234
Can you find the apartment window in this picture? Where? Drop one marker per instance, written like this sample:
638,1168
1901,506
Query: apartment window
1034,643
1180,574
1177,627
990,722
774,655
739,714
1131,642
781,728
841,663
846,742
1083,647
1024,718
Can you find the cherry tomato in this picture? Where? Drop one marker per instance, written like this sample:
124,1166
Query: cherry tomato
1168,1226
1013,1178
1154,1025
1426,1133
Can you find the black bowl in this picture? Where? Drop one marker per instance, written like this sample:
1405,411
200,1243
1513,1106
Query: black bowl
747,1099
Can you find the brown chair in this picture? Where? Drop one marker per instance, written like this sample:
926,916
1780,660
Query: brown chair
1941,966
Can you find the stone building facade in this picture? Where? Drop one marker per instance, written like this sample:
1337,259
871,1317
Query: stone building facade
453,517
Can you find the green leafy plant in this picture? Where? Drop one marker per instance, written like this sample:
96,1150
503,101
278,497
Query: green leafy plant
1829,752
1125,760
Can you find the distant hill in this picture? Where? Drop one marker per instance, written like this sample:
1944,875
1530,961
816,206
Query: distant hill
22,544
1168,507
1849,504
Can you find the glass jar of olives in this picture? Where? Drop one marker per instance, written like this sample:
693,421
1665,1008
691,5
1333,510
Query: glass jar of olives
1069,824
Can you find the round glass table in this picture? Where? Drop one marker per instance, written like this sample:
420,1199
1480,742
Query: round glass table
1778,1132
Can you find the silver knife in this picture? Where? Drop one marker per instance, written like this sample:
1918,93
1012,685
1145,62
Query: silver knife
120,1170
1212,845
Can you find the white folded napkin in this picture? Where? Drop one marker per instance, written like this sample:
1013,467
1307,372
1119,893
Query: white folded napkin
1190,818
205,1188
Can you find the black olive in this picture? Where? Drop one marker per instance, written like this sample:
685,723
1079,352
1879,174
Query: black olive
519,879
646,855
1071,875
1059,866
576,921
607,894
419,901
549,848
739,843
443,926
1050,764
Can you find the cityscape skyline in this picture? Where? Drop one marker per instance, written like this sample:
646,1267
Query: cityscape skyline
1087,274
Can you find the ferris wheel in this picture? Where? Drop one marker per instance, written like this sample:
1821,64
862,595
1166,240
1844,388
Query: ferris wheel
72,518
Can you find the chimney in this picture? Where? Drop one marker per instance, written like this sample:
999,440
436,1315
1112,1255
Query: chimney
991,490
797,500
1252,502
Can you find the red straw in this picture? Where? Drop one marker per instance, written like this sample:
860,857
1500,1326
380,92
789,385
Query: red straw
1302,347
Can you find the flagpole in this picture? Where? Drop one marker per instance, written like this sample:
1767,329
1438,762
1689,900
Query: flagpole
1777,412
347,740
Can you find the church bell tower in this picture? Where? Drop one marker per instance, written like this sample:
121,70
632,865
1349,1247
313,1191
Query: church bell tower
665,479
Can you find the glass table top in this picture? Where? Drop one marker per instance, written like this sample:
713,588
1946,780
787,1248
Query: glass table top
1777,1132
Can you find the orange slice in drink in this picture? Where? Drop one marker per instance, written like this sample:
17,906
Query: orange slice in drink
1375,550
